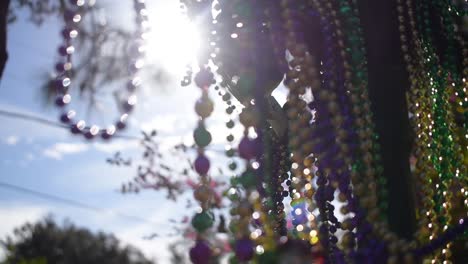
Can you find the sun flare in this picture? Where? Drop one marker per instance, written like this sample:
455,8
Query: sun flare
173,41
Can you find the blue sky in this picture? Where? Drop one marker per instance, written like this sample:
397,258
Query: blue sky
50,160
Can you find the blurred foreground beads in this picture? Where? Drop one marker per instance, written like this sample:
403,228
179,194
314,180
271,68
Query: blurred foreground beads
330,149
200,253
63,68
244,249
204,220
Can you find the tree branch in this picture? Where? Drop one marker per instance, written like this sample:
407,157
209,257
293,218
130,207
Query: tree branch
4,5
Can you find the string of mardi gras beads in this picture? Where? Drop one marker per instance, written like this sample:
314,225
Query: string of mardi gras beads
419,102
321,192
64,68
456,100
270,180
440,131
439,156
333,41
369,167
272,191
393,259
445,142
274,20
299,118
332,174
335,171
366,164
249,211
398,246
358,43
422,113
240,187
331,158
395,245
203,220
370,199
408,258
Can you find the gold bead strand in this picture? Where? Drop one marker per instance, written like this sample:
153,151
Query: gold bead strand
417,106
298,115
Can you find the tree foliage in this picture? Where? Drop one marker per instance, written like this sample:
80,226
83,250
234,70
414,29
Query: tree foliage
47,242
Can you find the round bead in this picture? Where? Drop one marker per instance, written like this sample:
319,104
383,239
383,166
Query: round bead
248,179
200,253
201,136
61,101
204,78
121,125
75,129
244,249
106,136
245,209
248,148
233,165
203,194
202,221
65,118
204,107
89,135
202,164
248,118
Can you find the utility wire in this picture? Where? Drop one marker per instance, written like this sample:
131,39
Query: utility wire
28,117
44,121
72,203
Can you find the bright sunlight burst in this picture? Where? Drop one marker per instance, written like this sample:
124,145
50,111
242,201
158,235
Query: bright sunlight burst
173,41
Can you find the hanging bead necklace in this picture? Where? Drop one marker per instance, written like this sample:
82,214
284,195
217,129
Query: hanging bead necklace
203,220
63,68
346,156
330,67
302,73
437,134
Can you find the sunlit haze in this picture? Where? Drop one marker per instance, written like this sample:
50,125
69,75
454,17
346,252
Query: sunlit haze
173,41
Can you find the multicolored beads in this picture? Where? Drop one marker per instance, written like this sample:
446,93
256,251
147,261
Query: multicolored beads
327,156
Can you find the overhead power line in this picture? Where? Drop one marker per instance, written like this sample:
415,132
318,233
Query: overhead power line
72,203
47,122
10,114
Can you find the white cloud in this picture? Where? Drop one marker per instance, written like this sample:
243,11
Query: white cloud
11,140
58,150
13,216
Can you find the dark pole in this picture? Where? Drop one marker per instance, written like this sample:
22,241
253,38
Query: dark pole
3,34
388,83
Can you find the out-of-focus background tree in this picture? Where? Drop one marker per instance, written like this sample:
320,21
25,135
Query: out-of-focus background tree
48,242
